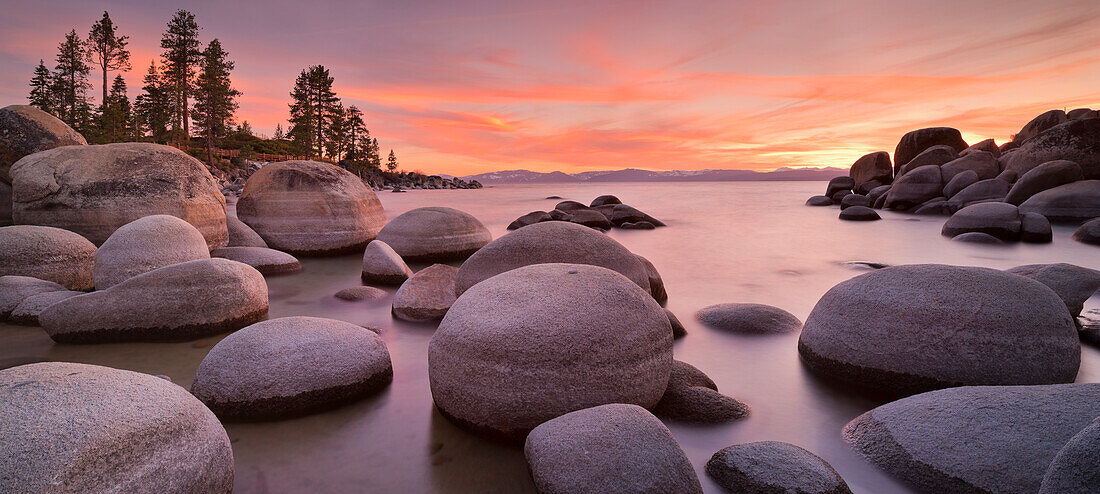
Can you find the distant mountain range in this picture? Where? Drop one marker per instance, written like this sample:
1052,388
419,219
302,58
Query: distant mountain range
636,175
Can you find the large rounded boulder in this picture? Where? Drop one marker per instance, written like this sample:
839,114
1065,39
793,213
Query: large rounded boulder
427,295
1045,176
609,448
907,329
24,129
1076,468
999,219
915,142
1076,140
310,208
1075,284
93,190
543,340
435,234
291,366
146,244
1070,203
1040,124
975,438
871,170
47,253
174,303
915,188
84,428
550,242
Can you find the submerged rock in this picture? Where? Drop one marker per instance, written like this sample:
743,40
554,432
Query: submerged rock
975,438
604,200
1035,228
435,234
24,129
622,213
266,261
542,340
1088,233
998,219
691,396
1074,284
146,244
174,303
641,225
819,201
859,213
656,283
359,293
93,190
382,266
84,428
427,295
678,330
609,448
291,366
529,219
591,219
977,238
749,318
854,200
1069,203
876,331
774,467
47,253
310,208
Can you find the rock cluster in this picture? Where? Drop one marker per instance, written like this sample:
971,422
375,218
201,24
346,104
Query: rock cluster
603,213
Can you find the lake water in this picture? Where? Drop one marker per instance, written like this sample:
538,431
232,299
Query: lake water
726,242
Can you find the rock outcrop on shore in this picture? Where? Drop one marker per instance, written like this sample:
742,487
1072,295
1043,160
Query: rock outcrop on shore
975,438
47,253
774,467
435,234
94,190
291,366
382,266
308,208
174,303
543,340
875,331
24,129
608,448
84,428
146,244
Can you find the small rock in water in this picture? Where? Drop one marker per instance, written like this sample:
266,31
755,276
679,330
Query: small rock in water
266,261
591,219
774,467
569,206
859,213
529,219
819,201
1088,233
749,318
1076,467
1069,203
691,396
641,225
554,197
47,253
382,266
427,295
854,200
1035,229
866,264
621,213
608,448
678,330
358,293
977,238
291,366
241,235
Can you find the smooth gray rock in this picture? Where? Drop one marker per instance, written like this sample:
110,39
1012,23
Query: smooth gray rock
621,213
934,207
542,340
877,192
382,266
15,289
749,318
1074,284
839,195
859,213
691,396
47,253
427,295
988,145
915,188
570,206
975,438
980,162
179,302
1045,176
1069,203
605,200
1076,141
641,225
980,191
678,330
1076,467
1009,176
266,261
146,244
93,190
854,200
1035,229
873,168
1039,124
837,184
819,201
26,313
291,366
772,467
617,448
75,428
876,331
242,235
998,219
1088,233
24,129
550,242
310,208
529,219
591,219
435,234
360,293
959,182
913,143
977,238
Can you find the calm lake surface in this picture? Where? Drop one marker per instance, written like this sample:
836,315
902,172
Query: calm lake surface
726,242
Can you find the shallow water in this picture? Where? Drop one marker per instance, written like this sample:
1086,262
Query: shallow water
726,242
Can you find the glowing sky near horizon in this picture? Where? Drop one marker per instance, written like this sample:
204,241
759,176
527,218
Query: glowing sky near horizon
465,87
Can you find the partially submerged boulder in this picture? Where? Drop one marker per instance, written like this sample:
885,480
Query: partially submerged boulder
749,318
609,448
1070,203
1074,284
146,244
859,213
382,266
84,428
93,190
691,396
819,201
1088,233
435,234
26,313
999,219
266,261
291,366
47,253
310,208
529,219
774,467
174,303
427,295
15,289
1035,229
873,168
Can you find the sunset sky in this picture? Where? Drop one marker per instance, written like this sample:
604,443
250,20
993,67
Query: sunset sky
465,87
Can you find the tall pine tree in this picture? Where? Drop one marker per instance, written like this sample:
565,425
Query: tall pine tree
107,50
312,111
71,82
152,107
215,98
181,57
42,89
116,118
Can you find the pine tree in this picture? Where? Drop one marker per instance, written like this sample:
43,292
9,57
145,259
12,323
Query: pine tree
314,106
115,119
374,158
355,130
215,98
181,57
245,129
71,82
107,50
391,161
338,134
42,89
152,106
279,133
